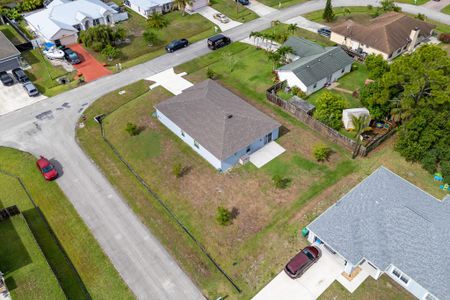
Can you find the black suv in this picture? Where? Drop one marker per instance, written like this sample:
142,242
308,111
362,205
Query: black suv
326,32
243,2
6,79
177,44
218,41
20,75
71,56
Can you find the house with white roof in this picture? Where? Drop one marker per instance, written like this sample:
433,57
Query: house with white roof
61,20
148,7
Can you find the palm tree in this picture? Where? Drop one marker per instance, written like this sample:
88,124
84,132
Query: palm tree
360,124
292,28
181,5
284,51
274,57
157,21
257,37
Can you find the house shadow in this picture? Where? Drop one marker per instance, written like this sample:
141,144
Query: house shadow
13,253
283,130
58,166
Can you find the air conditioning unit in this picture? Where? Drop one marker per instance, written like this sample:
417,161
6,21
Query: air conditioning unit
244,159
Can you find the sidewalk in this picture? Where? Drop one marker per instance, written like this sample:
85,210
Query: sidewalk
260,9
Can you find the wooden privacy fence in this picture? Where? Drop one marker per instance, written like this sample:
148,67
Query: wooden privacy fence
330,133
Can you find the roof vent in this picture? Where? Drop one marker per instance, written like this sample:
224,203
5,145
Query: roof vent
229,116
307,66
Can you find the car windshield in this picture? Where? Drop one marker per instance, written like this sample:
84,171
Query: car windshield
47,169
310,256
73,55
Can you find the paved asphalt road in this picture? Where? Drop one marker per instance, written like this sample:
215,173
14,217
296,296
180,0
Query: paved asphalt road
48,128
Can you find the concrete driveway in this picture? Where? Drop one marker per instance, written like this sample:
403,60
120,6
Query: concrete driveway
260,9
15,97
171,81
305,23
309,286
209,12
436,5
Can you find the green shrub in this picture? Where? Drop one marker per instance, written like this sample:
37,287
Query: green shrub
298,92
280,182
223,216
178,170
132,129
321,152
329,109
210,73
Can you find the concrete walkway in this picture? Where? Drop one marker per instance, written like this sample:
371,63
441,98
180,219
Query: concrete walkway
172,82
304,23
209,12
260,9
260,43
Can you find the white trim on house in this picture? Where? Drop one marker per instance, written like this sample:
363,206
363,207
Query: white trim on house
220,165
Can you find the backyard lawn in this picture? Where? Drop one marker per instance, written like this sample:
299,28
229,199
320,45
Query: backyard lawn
233,10
27,273
192,27
82,257
382,289
300,32
11,34
265,233
281,3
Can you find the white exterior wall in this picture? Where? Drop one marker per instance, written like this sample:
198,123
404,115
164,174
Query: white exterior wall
292,80
217,164
413,287
69,40
256,145
148,11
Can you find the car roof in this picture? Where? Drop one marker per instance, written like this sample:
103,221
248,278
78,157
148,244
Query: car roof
216,37
43,162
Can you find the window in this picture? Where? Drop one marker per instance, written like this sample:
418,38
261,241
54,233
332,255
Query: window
315,85
96,22
196,145
342,71
248,149
182,133
397,273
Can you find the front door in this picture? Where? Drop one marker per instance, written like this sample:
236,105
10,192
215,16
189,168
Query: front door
268,138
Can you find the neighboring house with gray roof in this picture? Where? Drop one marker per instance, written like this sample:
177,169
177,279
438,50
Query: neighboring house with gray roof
397,228
9,55
216,123
61,20
313,66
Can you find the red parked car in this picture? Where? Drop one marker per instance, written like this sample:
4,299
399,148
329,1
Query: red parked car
46,168
302,261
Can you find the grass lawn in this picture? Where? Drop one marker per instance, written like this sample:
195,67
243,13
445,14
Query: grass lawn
281,3
351,101
43,74
233,10
27,273
446,10
265,233
11,34
300,32
414,2
97,274
382,289
193,27
355,79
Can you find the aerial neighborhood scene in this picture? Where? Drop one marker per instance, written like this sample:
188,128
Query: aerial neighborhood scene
225,149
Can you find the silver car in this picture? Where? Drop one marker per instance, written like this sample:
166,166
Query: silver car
221,17
31,89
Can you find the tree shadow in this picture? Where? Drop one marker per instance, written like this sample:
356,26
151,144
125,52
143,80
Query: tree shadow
234,213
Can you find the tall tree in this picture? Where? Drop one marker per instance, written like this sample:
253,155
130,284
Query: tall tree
360,124
157,21
292,28
181,5
329,109
328,14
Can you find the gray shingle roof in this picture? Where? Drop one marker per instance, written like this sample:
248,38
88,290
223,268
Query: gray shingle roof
316,65
7,49
216,118
388,220
303,47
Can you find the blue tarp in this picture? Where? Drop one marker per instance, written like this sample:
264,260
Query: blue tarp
48,45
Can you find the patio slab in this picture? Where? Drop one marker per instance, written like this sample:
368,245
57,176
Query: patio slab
171,81
266,154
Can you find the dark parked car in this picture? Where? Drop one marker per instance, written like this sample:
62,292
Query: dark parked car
31,90
6,79
243,2
324,31
218,41
71,56
46,168
20,75
177,44
302,261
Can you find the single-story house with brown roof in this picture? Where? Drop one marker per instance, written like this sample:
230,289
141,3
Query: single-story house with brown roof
390,35
217,124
